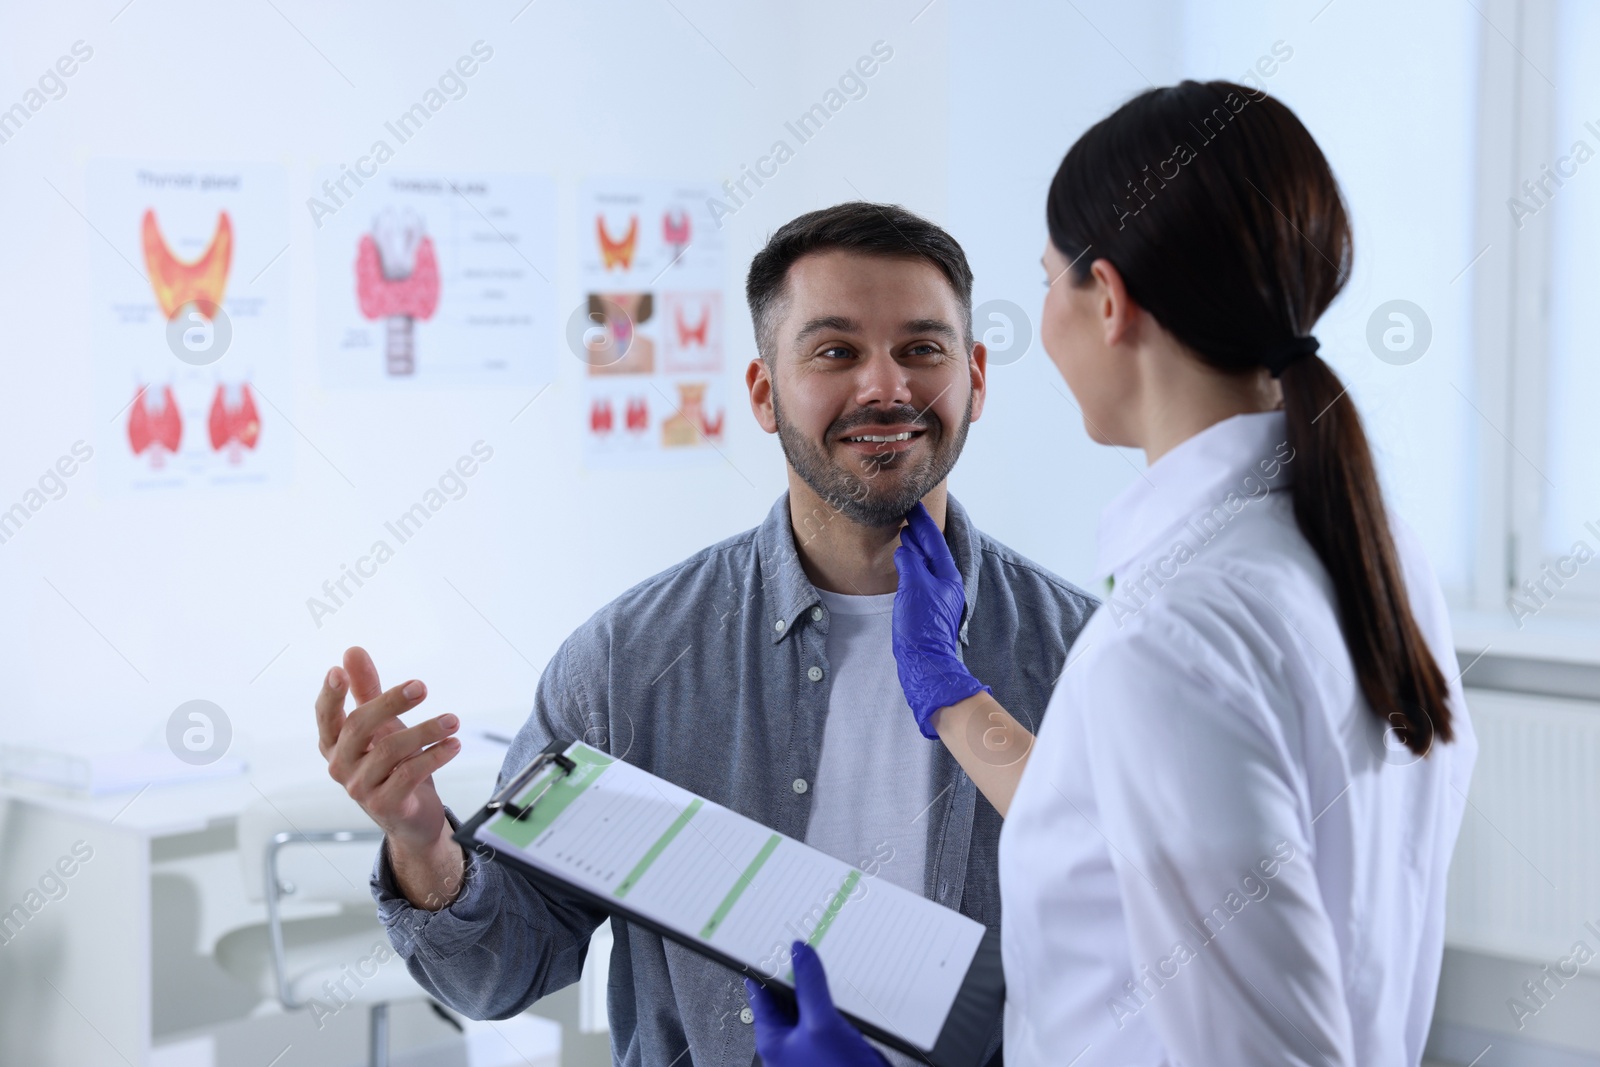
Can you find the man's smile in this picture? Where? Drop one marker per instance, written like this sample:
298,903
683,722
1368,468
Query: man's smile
881,440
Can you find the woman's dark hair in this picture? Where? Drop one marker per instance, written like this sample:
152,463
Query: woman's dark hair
1224,219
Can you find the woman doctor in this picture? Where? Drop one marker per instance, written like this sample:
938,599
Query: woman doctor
1229,842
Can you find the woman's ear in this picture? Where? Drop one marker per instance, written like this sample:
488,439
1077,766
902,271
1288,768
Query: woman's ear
1116,310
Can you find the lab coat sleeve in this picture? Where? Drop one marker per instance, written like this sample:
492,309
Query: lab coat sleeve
1234,956
503,943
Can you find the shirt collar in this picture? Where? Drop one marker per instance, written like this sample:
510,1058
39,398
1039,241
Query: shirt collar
789,593
1238,459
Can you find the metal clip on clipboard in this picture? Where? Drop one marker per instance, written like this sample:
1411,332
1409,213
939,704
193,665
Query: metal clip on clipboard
501,801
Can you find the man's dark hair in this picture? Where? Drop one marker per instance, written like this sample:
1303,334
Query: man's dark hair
886,230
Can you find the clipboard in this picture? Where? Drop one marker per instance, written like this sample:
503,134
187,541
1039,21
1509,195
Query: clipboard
551,859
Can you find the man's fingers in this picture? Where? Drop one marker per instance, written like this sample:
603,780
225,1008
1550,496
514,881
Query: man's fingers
363,674
390,751
415,769
368,722
330,710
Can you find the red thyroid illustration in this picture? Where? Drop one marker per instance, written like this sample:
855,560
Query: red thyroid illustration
617,253
600,416
153,427
638,414
397,280
687,333
675,231
176,282
237,426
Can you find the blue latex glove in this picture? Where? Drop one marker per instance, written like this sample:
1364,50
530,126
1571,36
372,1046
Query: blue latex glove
927,622
820,1037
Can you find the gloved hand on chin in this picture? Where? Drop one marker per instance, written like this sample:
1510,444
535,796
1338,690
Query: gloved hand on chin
819,1036
927,622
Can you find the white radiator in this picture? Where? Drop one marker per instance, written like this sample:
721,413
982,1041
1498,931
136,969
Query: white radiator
1526,874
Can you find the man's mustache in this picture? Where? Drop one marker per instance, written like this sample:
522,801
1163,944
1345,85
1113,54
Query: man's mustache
895,417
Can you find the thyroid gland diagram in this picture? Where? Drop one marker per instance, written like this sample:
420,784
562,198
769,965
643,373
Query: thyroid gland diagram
176,283
397,280
691,423
675,231
695,334
693,329
154,424
234,426
602,419
615,252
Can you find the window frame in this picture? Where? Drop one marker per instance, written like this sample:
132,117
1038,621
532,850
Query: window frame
1517,108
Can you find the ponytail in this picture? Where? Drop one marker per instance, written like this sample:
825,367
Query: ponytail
1340,511
1224,219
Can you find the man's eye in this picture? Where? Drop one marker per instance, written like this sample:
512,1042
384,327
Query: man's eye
924,350
837,351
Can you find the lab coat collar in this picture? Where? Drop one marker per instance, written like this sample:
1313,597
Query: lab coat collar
792,593
1238,459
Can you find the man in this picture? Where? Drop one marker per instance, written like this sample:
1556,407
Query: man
758,673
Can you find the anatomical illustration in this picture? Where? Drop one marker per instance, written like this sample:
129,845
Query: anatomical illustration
691,335
675,232
397,280
656,339
623,314
691,424
617,252
635,415
234,426
178,283
692,332
154,424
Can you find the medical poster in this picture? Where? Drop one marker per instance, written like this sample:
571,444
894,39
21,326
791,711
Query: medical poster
651,330
189,309
434,279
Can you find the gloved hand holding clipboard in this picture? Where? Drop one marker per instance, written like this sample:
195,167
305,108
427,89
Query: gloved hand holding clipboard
907,971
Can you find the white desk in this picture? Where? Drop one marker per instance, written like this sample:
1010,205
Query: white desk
81,980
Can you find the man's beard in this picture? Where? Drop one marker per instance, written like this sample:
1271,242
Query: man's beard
874,498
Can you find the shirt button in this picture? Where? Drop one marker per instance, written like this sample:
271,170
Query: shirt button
746,1015
778,626
815,674
816,614
800,785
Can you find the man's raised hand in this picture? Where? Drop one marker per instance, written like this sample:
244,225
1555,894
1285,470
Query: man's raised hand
387,768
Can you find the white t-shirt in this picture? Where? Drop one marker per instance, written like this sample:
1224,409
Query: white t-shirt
871,794
1215,854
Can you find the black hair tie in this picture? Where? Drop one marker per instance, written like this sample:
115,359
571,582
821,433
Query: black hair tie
1278,358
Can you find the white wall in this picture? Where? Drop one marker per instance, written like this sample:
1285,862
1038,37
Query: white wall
1386,89
198,594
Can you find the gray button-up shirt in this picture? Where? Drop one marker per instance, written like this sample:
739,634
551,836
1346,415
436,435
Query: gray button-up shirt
701,675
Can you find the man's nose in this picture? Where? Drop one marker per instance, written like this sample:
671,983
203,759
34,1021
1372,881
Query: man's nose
882,380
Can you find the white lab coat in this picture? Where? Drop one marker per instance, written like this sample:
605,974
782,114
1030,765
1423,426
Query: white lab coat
1215,855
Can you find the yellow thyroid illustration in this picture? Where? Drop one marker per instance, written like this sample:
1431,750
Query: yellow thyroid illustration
177,283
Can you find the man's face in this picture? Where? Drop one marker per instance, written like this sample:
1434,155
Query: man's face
871,388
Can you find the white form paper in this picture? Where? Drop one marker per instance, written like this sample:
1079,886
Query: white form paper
894,959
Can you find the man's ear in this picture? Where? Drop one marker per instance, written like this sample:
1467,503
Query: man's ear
758,379
978,371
